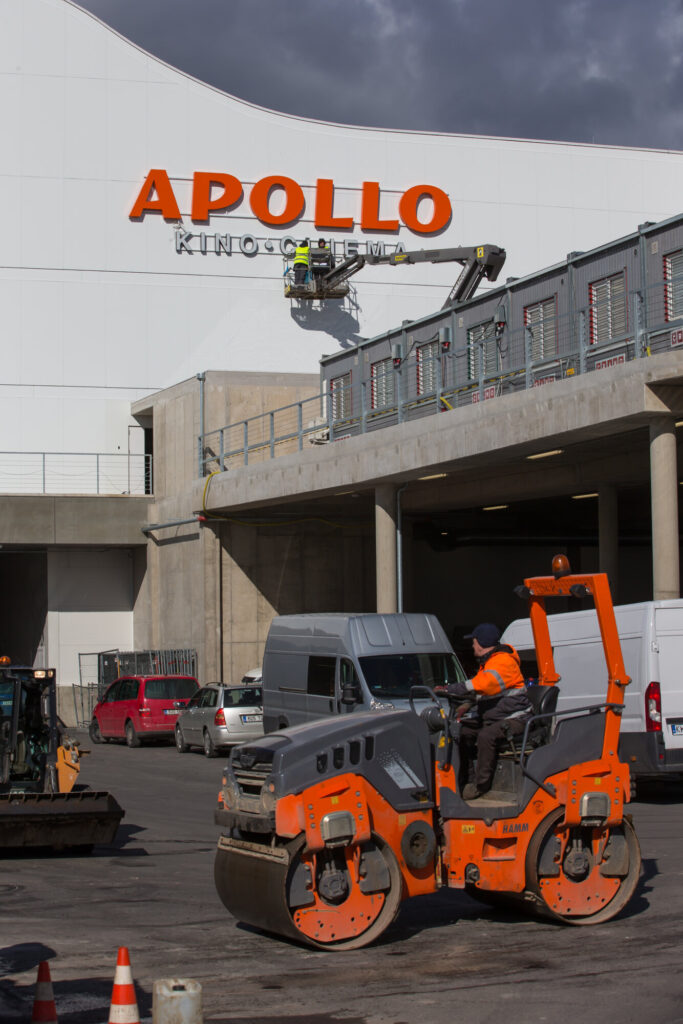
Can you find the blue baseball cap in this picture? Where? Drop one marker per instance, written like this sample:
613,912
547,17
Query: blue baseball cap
486,634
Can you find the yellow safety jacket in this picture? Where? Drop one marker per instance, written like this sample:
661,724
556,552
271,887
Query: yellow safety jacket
301,255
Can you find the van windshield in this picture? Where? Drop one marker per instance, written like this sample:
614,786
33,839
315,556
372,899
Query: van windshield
170,689
391,676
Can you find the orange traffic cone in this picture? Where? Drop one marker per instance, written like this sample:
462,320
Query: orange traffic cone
44,1009
124,1007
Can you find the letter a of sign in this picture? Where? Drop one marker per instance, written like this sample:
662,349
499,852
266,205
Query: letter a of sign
166,204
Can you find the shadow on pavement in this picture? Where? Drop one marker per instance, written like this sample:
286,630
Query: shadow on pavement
83,1001
657,791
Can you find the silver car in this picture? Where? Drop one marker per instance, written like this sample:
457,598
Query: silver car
220,716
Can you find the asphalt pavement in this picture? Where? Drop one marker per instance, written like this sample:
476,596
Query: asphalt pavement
447,958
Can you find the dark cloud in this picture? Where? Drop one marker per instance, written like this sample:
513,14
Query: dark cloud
607,71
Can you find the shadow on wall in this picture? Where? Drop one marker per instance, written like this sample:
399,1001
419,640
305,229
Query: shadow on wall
331,318
23,604
305,567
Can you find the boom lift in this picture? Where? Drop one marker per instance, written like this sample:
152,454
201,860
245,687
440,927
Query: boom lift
330,825
325,281
40,802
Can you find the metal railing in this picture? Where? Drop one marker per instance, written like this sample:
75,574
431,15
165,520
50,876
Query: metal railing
75,473
500,362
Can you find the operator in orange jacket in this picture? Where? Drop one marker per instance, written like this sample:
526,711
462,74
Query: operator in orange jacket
501,707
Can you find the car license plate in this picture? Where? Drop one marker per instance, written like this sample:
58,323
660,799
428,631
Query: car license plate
171,711
251,718
677,728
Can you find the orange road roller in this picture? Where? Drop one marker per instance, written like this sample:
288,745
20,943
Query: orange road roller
328,826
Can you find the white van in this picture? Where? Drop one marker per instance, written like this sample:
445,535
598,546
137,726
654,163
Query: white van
651,636
336,663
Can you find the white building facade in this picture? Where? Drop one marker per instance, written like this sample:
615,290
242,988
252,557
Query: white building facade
146,216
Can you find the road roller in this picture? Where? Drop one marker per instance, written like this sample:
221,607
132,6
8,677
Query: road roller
327,827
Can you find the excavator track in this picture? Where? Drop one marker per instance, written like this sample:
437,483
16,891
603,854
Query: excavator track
58,820
339,899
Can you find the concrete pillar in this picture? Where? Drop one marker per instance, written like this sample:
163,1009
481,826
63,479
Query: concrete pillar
664,499
385,547
608,536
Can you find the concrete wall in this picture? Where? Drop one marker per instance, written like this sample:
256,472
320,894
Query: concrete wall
280,570
99,308
194,569
45,519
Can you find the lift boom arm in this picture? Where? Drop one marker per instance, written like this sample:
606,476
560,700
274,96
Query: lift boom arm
478,261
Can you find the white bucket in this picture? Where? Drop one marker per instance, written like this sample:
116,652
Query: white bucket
177,1001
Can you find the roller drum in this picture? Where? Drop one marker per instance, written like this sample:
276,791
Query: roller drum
339,898
251,880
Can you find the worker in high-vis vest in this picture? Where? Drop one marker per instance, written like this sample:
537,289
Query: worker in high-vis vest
500,708
301,262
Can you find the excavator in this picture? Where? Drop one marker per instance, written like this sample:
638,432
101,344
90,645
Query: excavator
327,281
328,826
41,802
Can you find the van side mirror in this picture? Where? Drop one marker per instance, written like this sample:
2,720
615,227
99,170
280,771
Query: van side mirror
350,694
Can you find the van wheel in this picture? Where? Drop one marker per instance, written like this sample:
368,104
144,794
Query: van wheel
132,738
180,744
209,749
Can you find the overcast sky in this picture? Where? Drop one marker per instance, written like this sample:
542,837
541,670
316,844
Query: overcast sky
604,71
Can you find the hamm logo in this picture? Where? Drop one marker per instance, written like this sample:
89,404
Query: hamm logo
509,829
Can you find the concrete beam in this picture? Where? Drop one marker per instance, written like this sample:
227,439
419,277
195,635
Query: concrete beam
587,408
47,519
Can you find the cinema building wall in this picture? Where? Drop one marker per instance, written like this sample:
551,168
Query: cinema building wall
146,219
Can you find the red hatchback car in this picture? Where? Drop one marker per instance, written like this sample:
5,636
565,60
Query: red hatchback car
136,707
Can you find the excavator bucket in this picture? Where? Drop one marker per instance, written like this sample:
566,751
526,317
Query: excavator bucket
58,820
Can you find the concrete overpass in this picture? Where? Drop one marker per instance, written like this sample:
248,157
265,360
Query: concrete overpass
611,429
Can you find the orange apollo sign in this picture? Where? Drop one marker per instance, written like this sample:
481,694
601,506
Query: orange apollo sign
216,191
